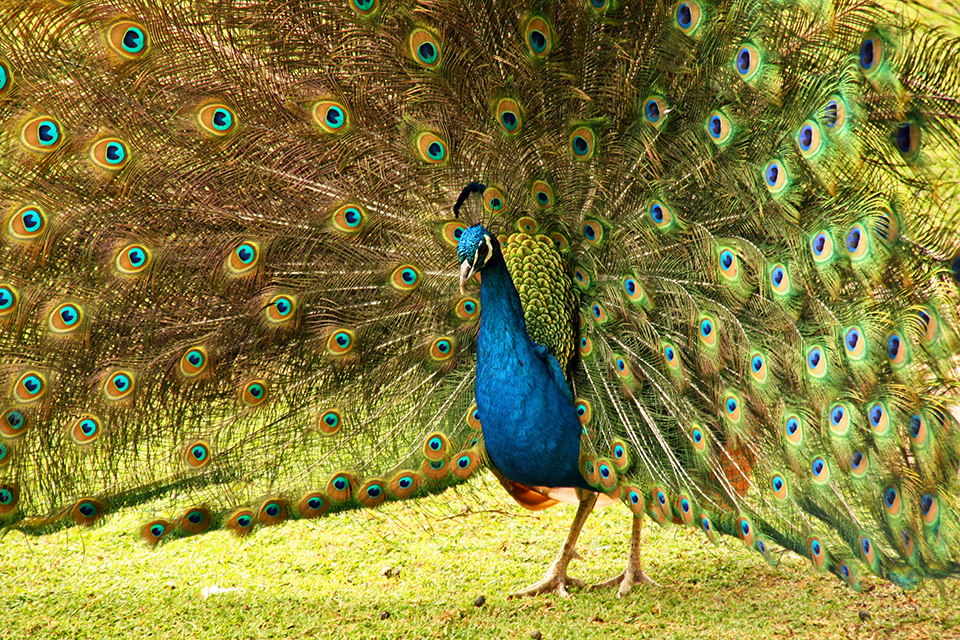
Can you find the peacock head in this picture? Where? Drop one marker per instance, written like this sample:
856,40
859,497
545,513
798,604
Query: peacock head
477,247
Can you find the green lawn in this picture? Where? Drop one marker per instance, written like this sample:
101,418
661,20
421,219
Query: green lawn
330,578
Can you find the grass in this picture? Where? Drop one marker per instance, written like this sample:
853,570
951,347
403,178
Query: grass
425,564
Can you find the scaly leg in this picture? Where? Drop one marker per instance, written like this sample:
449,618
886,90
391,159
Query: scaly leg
556,578
633,573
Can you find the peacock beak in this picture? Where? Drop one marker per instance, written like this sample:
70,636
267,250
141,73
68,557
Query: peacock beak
466,272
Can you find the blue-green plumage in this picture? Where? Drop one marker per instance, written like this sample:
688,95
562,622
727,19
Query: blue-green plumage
530,424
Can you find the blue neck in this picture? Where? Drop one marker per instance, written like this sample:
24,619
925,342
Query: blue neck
530,425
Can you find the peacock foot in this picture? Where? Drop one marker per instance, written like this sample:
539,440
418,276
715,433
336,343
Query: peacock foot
555,581
625,582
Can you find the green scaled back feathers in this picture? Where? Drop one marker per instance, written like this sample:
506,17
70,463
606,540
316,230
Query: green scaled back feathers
228,278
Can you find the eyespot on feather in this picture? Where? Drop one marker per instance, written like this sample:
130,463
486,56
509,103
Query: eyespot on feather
684,508
592,232
30,387
431,148
582,143
330,422
656,110
584,411
855,344
65,318
435,469
634,499
27,224
839,419
5,456
133,259
404,483
340,342
240,523
745,531
424,48
128,39
331,116
349,219
341,486
858,243
473,418
719,128
313,505
7,78
698,437
85,429
41,134
527,224
729,264
560,241
493,200
435,446
816,362
405,278
9,300
538,37
254,393
898,352
871,56
581,278
87,511
758,367
542,194
197,455
835,113
217,119
468,308
365,7
193,362
780,486
707,526
599,312
818,554
9,497
859,464
195,520
671,356
732,406
586,345
820,470
280,308
809,139
707,332
821,245
509,115
442,349
688,16
245,258
747,62
154,531
775,177
14,424
372,493
111,154
464,464
452,232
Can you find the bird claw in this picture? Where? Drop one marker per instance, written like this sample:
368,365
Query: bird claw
625,582
552,582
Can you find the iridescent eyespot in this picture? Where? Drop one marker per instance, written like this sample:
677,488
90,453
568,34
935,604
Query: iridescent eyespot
493,200
822,247
780,487
731,405
857,242
818,555
581,278
6,77
708,332
592,232
216,119
775,176
154,531
809,139
468,308
405,278
745,531
404,483
4,452
193,362
30,387
897,350
431,148
280,308
244,258
13,425
435,446
747,62
821,470
331,116
584,411
329,422
586,345
598,312
442,349
313,505
656,110
42,134
65,318
622,367
621,458
671,356
364,7
509,115
341,341
662,216
464,464
855,344
859,464
835,113
719,128
891,500
349,219
341,486
908,139
85,429
240,523
110,154
600,5
793,429
729,264
887,225
127,38
688,16
27,223
839,419
86,511
272,511
634,291
424,48
371,493
473,418
132,259
929,508
816,362
254,393
195,520
9,299
879,418
917,428
582,143
542,194
871,55
537,36
758,367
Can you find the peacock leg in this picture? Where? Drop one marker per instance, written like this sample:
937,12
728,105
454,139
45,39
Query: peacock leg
633,572
556,578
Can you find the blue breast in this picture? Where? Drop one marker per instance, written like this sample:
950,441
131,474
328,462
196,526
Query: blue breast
530,425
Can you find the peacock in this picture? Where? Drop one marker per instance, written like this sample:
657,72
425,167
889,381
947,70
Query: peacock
270,261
